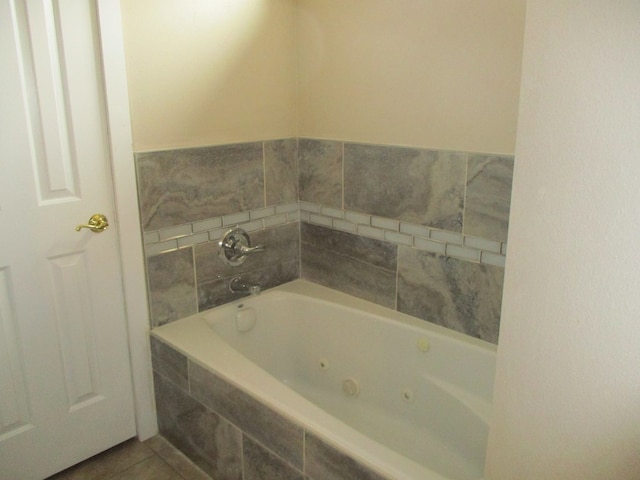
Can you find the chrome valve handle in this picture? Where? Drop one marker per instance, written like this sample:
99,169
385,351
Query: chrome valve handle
235,246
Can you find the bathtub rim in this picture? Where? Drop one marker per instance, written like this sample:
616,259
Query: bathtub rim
194,338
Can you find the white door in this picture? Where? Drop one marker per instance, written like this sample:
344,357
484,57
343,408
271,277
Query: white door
65,379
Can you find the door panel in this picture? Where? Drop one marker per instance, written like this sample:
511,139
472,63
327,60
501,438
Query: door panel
65,381
14,415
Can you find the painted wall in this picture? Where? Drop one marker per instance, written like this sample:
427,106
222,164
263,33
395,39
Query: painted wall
205,72
423,73
400,72
568,384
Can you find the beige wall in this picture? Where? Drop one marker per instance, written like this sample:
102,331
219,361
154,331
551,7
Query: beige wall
206,72
406,72
411,72
567,395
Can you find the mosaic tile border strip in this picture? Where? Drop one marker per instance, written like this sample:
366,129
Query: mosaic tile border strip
441,242
213,229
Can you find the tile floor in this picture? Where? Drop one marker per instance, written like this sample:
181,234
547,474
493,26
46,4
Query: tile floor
155,459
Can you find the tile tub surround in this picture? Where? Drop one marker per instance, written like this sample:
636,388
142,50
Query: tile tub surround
320,171
451,204
172,287
225,431
362,267
192,279
181,186
277,264
459,192
419,186
455,293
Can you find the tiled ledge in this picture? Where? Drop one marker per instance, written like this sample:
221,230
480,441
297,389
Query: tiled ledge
442,242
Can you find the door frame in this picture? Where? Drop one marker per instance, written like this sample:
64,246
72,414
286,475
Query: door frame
126,208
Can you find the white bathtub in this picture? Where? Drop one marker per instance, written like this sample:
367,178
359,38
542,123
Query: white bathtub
409,399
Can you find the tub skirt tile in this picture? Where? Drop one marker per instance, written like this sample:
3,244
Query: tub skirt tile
323,462
261,464
169,363
211,442
268,427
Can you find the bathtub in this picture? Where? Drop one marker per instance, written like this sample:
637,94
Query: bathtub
406,398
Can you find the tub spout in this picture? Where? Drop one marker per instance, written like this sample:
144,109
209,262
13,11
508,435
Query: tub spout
237,285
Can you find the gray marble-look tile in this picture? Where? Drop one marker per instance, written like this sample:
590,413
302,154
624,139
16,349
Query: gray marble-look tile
281,171
281,245
457,294
209,441
261,464
172,290
420,186
169,363
323,462
375,252
187,185
349,276
214,293
268,427
320,171
488,199
362,267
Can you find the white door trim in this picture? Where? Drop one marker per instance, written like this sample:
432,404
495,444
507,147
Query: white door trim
126,205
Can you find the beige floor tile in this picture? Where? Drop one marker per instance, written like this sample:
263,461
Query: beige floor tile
108,463
154,459
158,443
182,464
153,468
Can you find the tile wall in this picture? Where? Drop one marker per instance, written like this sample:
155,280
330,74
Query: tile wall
189,198
418,230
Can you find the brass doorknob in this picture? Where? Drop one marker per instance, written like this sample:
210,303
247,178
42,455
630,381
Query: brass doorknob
97,223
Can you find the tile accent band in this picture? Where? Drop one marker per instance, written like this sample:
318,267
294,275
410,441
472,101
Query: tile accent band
420,237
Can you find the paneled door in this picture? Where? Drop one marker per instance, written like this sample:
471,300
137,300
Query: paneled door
65,378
